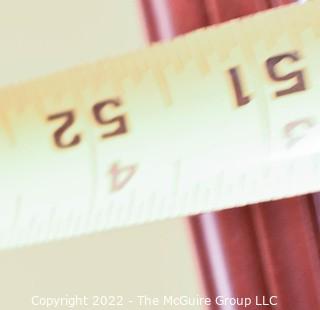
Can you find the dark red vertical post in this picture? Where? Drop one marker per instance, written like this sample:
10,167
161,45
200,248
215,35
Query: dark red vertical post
266,249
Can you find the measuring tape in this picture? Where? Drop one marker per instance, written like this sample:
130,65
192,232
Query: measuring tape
223,117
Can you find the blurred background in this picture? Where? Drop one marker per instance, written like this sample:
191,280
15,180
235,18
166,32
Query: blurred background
261,250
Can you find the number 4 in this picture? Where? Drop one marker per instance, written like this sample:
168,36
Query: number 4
121,176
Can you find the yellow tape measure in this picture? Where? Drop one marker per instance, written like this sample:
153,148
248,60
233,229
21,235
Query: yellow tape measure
222,117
